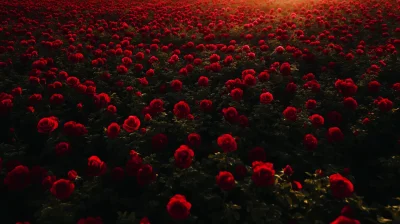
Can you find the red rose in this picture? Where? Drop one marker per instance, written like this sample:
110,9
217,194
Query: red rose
96,167
291,87
203,81
113,130
150,72
285,69
366,121
243,121
48,181
62,148
346,87
257,154
311,104
249,80
350,102
374,86
112,109
385,105
16,91
335,134
183,156
72,175
296,186
131,124
5,106
230,114
227,143
341,187
62,189
47,125
34,99
102,100
263,76
310,142
90,220
133,165
263,174
317,120
18,178
194,139
57,99
206,105
181,109
159,141
157,106
266,98
290,113
145,175
147,117
288,170
178,208
176,85
225,180
236,94
144,220
73,128
345,220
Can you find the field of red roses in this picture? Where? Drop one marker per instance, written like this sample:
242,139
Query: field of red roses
203,111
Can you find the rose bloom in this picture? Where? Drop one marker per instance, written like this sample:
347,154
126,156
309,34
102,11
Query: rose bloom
335,134
96,167
18,178
225,180
47,125
113,130
230,114
266,98
183,156
290,113
131,124
310,142
62,189
194,139
316,120
178,207
227,143
341,187
181,109
145,175
263,174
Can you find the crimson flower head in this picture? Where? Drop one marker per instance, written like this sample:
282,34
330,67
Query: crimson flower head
62,189
181,109
47,125
178,207
183,156
96,167
227,143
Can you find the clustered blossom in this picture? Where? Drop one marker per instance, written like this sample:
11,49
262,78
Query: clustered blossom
216,99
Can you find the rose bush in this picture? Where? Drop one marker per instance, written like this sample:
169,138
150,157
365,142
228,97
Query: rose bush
219,111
